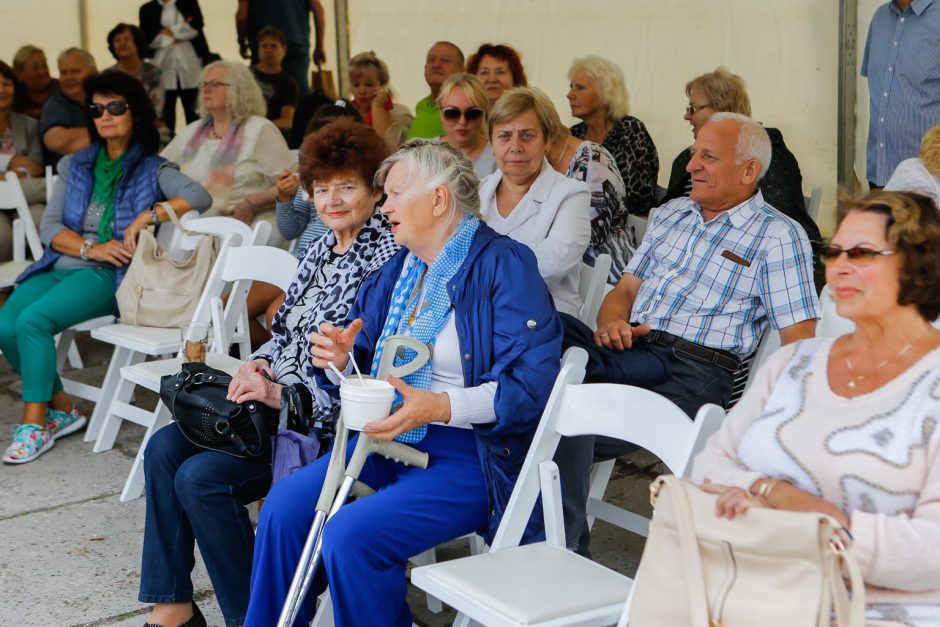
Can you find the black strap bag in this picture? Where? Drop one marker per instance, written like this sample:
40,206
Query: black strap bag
196,398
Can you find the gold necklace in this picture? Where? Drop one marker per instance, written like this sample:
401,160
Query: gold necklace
853,382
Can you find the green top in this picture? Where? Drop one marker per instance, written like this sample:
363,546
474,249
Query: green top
427,122
107,175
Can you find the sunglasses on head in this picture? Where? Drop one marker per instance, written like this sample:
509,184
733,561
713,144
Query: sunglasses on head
452,114
858,256
115,107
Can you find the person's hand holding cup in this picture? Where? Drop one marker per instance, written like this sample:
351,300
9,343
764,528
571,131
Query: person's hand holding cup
195,342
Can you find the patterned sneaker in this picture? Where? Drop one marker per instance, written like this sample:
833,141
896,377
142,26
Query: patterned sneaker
61,423
29,442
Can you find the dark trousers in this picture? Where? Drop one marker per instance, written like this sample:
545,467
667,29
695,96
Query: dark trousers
188,98
687,382
198,495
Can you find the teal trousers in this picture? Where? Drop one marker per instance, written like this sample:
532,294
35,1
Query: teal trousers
42,307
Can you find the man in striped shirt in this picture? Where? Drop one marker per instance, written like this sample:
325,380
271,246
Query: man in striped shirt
712,272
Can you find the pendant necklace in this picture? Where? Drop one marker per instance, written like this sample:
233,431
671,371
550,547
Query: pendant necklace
853,381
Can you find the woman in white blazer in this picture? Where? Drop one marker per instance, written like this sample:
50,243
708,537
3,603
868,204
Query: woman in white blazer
528,200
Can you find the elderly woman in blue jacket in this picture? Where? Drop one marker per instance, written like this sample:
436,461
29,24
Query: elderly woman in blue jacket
105,195
473,408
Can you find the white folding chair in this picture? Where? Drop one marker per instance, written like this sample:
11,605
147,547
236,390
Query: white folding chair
544,584
591,288
812,202
133,344
25,234
239,267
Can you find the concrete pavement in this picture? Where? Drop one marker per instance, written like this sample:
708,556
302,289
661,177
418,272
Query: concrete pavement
70,551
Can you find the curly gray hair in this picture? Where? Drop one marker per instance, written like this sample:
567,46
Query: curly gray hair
244,98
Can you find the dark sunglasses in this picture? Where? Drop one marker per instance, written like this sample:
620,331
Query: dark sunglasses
452,114
857,255
115,107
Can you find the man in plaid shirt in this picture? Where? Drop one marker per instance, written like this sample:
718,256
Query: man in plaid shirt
714,269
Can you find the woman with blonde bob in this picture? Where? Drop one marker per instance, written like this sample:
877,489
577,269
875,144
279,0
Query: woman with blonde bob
530,201
233,150
598,96
463,103
477,298
372,97
846,426
920,174
781,185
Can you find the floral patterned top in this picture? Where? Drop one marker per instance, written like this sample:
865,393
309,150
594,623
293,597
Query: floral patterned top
633,149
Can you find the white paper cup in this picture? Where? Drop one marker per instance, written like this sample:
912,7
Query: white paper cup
364,401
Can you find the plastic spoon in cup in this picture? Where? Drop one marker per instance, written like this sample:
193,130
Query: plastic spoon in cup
333,367
355,366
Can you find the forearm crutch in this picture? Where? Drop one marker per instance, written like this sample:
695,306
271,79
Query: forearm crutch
339,479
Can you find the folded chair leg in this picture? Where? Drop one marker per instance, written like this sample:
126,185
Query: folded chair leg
109,389
134,486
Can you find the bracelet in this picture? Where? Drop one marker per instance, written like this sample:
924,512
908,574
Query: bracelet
86,248
764,488
153,214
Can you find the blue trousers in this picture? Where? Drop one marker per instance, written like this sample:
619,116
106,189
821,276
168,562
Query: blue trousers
198,495
367,543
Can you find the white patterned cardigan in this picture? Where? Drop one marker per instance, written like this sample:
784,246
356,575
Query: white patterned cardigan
875,456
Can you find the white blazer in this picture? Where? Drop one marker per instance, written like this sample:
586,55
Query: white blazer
554,220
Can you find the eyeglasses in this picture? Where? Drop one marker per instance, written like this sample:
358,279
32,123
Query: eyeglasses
214,85
452,114
693,109
115,107
857,255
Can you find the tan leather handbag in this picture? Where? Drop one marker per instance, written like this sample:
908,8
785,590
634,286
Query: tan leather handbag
159,291
768,567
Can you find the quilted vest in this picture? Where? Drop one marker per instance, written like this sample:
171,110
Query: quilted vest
137,190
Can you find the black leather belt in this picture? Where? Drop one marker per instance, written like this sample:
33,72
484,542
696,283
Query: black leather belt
723,359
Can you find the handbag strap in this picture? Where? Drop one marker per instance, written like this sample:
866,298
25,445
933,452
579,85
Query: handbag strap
848,612
688,544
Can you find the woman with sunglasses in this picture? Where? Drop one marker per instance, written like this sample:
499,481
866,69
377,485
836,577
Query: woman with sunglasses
105,195
532,203
372,98
463,102
234,150
846,426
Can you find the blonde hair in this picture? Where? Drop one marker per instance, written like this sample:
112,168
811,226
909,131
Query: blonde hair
930,149
472,89
516,101
23,54
243,99
610,83
725,91
369,61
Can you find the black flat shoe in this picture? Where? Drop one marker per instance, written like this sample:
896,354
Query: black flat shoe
197,619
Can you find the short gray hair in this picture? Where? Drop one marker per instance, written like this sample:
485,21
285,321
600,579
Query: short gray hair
753,141
610,83
432,164
243,99
79,52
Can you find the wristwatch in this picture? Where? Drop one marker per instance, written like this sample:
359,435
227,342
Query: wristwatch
86,248
153,214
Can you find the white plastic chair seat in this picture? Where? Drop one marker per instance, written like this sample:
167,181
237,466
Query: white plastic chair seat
146,340
10,270
147,374
559,585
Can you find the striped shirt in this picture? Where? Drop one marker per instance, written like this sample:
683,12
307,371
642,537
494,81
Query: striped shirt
298,219
902,63
718,283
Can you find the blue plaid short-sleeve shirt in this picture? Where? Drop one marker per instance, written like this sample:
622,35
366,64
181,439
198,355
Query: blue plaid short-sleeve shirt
719,283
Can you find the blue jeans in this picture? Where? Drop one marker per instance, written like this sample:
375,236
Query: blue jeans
367,543
198,495
687,382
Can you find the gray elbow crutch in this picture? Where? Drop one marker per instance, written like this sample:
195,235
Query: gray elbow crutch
341,479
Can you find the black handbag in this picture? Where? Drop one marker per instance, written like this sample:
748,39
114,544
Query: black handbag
196,398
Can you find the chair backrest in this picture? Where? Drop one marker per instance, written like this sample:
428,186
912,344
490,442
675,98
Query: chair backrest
812,202
11,196
660,193
591,288
769,342
619,411
831,324
638,225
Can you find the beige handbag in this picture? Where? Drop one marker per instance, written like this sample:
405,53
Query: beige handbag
159,291
768,567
